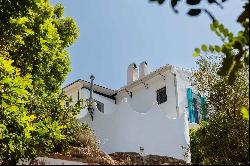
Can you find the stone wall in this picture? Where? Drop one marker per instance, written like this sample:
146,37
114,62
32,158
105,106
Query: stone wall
132,158
92,156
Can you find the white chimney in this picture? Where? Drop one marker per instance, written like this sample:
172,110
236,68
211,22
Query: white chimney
143,69
132,73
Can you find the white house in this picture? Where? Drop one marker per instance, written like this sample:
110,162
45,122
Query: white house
152,111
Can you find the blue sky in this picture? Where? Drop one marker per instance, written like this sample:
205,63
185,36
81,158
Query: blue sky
115,33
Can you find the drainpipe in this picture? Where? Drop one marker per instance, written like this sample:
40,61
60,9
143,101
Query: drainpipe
176,92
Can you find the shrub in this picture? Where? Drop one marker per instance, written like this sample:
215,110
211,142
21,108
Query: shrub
84,137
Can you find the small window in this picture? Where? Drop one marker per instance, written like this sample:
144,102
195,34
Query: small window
100,106
161,95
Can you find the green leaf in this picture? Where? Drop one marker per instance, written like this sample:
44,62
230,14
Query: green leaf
211,48
173,4
194,12
215,24
11,146
217,48
195,54
221,27
197,50
212,27
193,2
225,32
230,36
245,113
204,47
2,128
59,10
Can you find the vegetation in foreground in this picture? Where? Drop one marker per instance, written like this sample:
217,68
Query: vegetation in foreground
224,137
33,64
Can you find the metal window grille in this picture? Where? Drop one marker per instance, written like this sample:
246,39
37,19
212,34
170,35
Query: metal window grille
161,95
100,106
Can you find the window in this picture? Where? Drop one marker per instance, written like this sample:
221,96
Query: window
161,95
100,106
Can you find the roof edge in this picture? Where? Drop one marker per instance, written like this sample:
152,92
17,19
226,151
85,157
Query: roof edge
71,83
145,78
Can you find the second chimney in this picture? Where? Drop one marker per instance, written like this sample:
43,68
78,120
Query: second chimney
132,73
143,69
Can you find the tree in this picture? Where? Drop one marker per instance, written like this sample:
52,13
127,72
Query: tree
20,135
234,48
35,35
33,40
224,138
15,124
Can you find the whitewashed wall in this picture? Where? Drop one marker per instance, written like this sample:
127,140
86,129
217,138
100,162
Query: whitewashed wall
72,92
125,130
109,104
143,98
183,82
139,121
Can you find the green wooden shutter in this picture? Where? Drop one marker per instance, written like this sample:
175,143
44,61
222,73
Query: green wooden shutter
190,105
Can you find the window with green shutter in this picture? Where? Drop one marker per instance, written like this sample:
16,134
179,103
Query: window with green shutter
196,107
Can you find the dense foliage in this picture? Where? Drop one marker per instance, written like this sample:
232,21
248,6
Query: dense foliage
33,64
35,35
221,141
224,138
224,79
15,123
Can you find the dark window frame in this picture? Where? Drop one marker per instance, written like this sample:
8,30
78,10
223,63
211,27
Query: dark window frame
161,95
100,106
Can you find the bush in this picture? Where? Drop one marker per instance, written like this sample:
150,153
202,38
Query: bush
84,137
224,138
220,141
22,135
